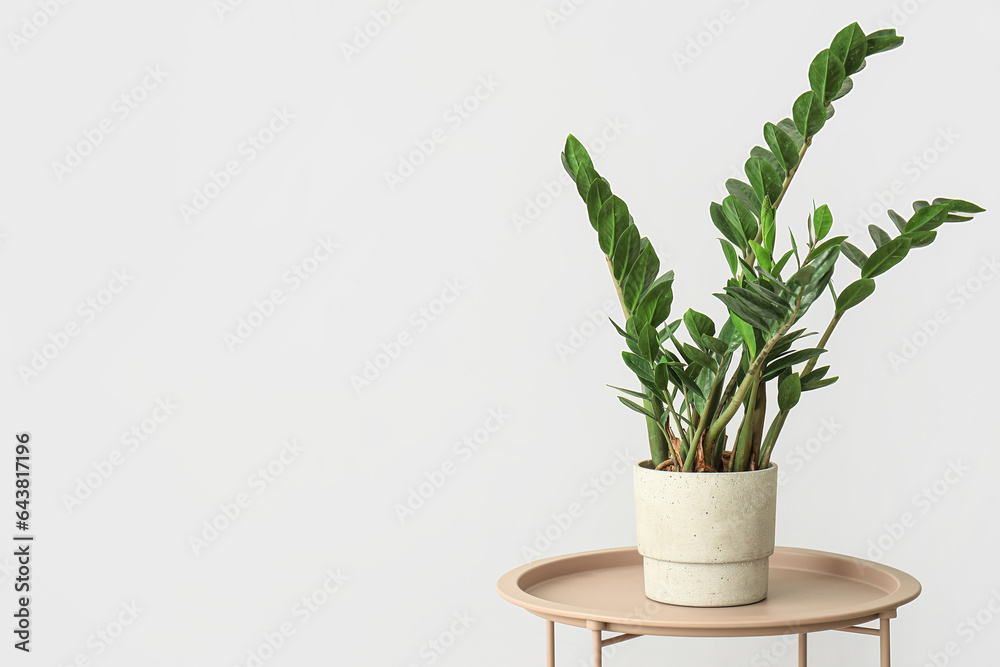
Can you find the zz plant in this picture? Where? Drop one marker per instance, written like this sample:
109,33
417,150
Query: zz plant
693,391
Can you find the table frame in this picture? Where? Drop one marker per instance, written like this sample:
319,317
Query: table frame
598,628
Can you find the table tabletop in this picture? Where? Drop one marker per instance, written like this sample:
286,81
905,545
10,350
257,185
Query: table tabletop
808,590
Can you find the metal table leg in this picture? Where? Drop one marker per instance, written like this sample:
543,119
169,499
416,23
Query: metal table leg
552,643
883,633
802,649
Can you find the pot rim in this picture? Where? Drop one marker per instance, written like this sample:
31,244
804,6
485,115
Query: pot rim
771,468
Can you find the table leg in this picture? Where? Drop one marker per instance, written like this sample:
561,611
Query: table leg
883,633
802,649
552,643
598,653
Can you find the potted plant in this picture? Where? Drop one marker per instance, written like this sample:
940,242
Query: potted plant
706,538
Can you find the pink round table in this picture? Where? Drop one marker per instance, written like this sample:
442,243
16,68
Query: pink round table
808,591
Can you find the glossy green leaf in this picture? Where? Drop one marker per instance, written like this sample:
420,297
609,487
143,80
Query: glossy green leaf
767,228
853,253
762,255
787,125
732,231
886,257
770,158
771,296
649,345
730,252
789,392
960,205
626,251
882,40
854,294
921,239
897,220
822,222
790,360
782,146
743,192
817,374
845,88
584,179
879,235
850,46
740,217
927,218
826,74
809,114
746,333
698,324
574,155
700,357
744,312
816,384
654,304
600,192
638,365
629,392
635,406
612,220
764,179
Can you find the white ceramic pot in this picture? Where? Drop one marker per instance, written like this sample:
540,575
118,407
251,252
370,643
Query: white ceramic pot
705,538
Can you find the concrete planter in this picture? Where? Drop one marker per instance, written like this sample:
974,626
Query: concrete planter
705,538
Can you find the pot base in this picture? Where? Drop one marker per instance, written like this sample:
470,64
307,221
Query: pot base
705,584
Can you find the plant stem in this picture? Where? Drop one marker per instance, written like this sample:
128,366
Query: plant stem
791,172
779,419
658,445
734,403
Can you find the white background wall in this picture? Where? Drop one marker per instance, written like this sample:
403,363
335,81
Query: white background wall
859,454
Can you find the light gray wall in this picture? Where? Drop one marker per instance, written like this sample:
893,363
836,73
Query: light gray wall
503,300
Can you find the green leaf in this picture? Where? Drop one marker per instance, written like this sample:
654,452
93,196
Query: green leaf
817,374
782,146
575,155
746,332
789,392
960,206
826,75
770,295
730,253
714,344
683,378
845,88
762,255
882,40
780,264
767,228
612,220
770,158
600,192
853,253
850,46
886,257
635,406
626,251
654,304
897,220
879,235
584,179
699,357
790,360
745,312
635,277
787,125
638,365
698,324
637,394
649,345
921,239
744,193
816,384
824,246
822,221
927,218
733,232
740,217
809,114
764,179
854,294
